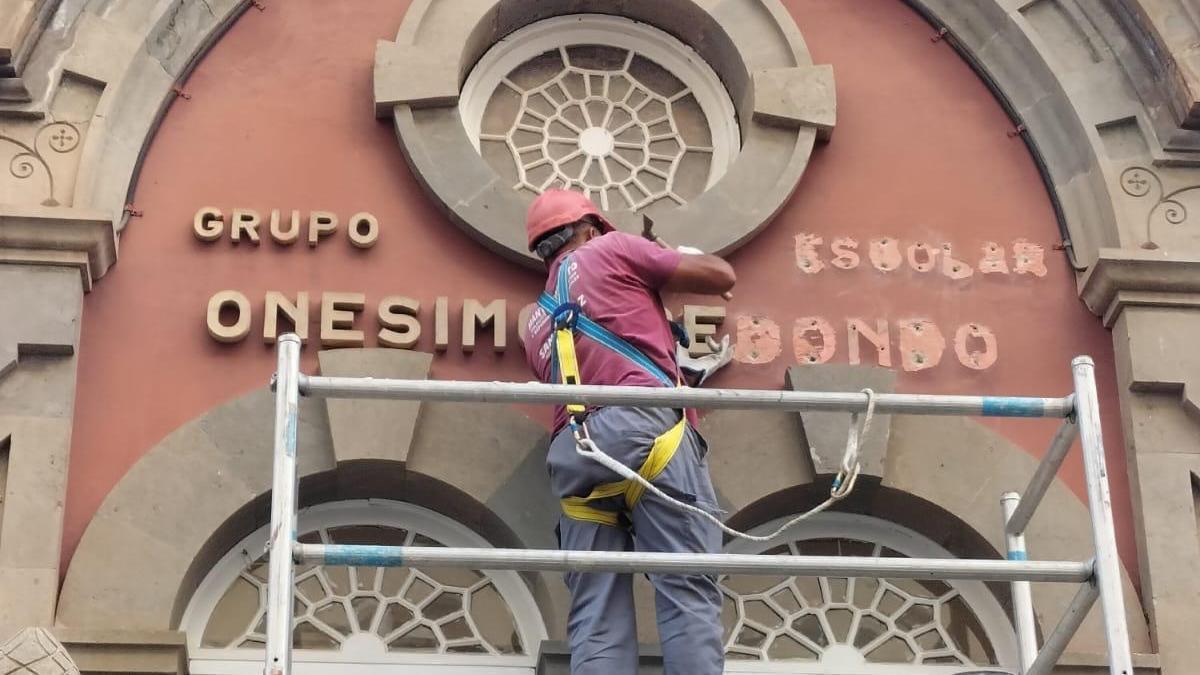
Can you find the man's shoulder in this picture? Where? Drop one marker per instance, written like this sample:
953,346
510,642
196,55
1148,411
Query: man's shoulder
618,238
613,245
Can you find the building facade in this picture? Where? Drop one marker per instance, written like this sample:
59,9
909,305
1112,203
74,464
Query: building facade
943,196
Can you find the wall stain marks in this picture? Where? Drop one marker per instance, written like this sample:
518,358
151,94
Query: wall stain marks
807,259
757,340
813,340
921,344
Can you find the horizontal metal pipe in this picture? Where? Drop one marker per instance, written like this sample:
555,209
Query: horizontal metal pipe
746,399
1068,625
529,560
1043,477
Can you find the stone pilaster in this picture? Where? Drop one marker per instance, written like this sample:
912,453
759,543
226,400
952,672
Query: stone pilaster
1151,300
49,257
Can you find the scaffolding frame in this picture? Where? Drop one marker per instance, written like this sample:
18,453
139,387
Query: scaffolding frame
1099,578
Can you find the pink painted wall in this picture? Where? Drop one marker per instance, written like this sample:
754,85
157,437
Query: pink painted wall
280,116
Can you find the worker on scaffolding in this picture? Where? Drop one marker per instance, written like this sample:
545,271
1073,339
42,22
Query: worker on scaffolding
601,322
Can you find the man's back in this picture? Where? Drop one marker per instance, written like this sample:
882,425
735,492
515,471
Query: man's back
615,279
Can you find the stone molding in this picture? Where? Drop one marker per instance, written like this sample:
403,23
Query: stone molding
1120,278
373,430
21,24
43,235
753,45
155,652
825,433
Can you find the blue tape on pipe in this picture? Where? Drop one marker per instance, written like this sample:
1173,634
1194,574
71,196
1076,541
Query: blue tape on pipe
364,556
1013,406
1018,555
289,436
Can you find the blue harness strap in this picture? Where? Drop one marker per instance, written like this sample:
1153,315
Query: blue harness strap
560,308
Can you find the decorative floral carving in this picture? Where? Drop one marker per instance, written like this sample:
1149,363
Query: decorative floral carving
57,137
1140,182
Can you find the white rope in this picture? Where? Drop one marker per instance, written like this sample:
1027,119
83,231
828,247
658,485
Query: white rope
843,483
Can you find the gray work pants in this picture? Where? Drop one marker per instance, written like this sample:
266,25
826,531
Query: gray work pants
601,627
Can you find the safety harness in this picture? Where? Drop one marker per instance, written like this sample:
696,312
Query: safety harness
568,321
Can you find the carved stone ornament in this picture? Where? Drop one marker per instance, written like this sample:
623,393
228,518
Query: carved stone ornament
704,119
1168,208
34,651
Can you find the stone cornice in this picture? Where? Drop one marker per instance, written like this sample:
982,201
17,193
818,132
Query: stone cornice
41,235
1123,277
160,652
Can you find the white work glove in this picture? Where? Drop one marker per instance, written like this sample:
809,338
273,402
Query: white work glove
689,250
703,367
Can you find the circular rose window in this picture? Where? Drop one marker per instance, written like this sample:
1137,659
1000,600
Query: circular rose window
703,115
608,106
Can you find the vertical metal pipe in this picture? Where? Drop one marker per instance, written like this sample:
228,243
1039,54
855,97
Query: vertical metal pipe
1022,594
1108,565
1043,477
1060,637
283,508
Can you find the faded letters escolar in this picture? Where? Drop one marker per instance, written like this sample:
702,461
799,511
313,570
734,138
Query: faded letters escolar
397,321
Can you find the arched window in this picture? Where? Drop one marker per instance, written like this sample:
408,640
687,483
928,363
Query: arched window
608,106
860,626
368,620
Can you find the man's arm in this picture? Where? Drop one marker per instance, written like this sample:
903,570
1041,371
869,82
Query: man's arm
702,274
685,270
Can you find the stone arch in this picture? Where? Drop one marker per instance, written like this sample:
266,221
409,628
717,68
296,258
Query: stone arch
1092,88
1065,110
206,486
941,477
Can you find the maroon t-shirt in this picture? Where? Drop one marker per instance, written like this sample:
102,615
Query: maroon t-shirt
615,278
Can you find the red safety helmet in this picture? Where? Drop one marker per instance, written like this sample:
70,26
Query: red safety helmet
554,208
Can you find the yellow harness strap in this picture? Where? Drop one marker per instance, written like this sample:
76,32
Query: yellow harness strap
579,508
568,365
664,448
